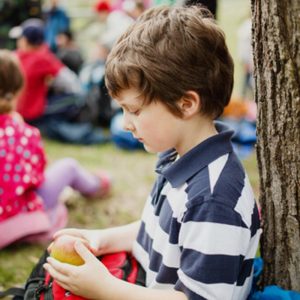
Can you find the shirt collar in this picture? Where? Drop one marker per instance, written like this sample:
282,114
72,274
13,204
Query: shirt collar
179,171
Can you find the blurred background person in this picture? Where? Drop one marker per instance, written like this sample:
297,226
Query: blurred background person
89,33
41,69
116,23
56,20
68,51
52,96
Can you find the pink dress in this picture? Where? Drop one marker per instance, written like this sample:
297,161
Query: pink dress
22,164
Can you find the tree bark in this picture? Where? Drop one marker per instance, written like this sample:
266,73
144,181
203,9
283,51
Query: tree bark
276,47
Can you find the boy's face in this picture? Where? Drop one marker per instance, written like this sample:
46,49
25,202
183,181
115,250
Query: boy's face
152,124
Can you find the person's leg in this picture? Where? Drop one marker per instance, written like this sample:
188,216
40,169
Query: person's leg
63,173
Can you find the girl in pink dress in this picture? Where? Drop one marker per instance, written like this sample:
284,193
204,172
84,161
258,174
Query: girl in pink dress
29,206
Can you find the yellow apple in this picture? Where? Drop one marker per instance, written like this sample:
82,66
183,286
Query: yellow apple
63,250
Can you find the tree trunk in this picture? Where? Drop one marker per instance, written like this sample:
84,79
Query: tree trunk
276,47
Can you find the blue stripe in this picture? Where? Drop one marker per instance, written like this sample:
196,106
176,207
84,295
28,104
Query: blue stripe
168,223
199,185
211,268
245,272
156,190
159,205
255,223
214,212
143,238
165,274
230,184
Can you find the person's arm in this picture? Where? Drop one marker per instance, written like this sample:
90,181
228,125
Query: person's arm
109,240
120,238
93,281
66,81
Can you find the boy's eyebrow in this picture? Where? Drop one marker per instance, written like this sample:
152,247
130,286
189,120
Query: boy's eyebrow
126,106
130,106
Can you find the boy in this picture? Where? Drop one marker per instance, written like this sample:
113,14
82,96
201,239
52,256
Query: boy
172,75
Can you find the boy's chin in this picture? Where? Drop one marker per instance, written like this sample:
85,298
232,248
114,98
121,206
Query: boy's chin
149,149
152,150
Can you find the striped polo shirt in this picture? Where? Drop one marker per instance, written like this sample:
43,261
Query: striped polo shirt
200,226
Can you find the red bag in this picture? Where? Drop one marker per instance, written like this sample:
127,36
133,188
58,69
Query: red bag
40,285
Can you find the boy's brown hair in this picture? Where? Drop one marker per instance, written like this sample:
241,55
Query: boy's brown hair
11,79
169,51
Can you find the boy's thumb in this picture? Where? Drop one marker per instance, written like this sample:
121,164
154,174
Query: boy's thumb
83,251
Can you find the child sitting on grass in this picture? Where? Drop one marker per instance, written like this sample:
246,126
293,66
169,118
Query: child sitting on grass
172,74
29,206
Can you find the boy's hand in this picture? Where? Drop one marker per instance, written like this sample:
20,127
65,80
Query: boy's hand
93,237
86,280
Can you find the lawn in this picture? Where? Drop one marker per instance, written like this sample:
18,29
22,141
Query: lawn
132,172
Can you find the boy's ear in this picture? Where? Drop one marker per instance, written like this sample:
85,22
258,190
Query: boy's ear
190,104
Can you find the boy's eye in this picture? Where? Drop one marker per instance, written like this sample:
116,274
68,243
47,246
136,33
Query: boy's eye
135,112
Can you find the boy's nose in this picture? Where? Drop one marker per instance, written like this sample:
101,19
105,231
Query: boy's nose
127,125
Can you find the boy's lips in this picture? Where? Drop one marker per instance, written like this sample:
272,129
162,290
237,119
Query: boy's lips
138,138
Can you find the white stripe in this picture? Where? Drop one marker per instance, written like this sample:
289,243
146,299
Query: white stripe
214,238
161,286
246,203
208,291
150,219
166,189
214,170
251,252
146,207
141,255
177,199
170,252
242,292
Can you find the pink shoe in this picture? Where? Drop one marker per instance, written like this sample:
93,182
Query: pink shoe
105,186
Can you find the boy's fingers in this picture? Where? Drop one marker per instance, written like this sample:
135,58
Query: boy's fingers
83,251
50,247
62,268
55,274
68,231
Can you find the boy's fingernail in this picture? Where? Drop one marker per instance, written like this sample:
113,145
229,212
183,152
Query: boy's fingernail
48,259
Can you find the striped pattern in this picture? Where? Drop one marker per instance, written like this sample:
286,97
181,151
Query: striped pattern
200,226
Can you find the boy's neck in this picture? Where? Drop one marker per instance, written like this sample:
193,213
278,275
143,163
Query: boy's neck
195,133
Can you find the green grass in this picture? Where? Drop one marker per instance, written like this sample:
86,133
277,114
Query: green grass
132,172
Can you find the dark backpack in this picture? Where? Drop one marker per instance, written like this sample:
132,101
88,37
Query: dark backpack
40,285
98,108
